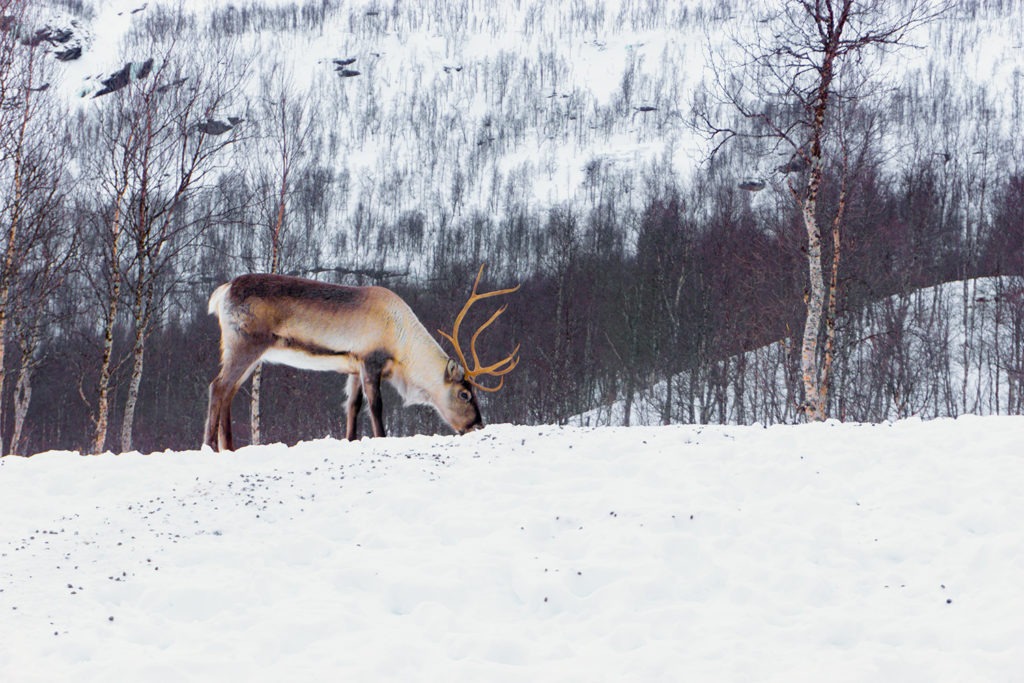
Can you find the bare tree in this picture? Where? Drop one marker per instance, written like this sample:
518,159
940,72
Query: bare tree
164,137
33,160
804,61
287,127
181,150
41,275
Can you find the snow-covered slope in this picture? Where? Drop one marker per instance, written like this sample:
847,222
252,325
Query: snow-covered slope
472,106
827,552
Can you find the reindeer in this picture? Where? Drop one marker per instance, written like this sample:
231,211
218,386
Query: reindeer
368,333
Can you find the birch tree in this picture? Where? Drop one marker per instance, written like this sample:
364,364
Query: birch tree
163,138
286,131
110,166
181,149
799,66
44,264
32,161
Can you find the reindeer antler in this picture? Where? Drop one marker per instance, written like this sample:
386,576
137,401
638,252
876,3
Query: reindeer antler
502,367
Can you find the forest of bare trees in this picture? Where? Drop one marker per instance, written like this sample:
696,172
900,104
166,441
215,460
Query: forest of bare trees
643,288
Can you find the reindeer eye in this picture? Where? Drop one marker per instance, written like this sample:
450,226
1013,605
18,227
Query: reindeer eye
464,395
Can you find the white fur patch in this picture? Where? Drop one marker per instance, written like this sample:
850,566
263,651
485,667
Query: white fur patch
307,361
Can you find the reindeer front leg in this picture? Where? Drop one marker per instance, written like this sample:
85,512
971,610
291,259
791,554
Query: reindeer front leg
371,387
372,373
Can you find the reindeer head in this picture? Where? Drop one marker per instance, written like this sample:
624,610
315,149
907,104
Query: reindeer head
461,409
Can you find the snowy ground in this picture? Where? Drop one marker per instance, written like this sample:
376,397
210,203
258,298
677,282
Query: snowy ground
809,553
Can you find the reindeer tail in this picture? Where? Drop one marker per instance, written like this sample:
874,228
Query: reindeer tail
217,297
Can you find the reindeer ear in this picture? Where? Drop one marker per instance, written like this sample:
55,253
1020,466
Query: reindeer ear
454,372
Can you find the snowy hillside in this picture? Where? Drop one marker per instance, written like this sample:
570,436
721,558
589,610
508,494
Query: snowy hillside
446,110
827,552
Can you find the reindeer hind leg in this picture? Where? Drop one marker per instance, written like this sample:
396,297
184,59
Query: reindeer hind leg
354,404
213,414
236,366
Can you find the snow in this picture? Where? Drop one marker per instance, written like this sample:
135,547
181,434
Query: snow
838,552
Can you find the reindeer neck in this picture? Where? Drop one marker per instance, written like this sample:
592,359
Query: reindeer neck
420,365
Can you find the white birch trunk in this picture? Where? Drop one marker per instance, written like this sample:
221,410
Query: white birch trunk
138,360
813,407
22,399
254,405
103,402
